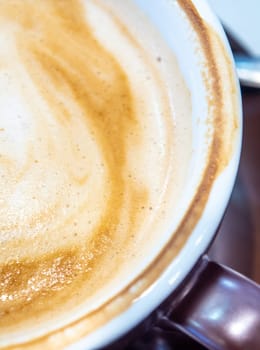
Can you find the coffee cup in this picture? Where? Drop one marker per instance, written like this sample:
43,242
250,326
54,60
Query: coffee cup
120,143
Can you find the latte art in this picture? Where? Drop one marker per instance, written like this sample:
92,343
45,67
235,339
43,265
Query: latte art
91,162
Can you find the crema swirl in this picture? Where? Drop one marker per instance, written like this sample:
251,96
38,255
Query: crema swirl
95,141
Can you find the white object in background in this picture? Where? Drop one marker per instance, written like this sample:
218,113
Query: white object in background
242,18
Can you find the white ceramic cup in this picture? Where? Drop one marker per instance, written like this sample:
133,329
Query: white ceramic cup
197,40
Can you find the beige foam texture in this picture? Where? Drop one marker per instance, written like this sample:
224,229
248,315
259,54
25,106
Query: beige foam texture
95,141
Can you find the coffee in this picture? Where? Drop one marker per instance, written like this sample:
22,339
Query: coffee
95,142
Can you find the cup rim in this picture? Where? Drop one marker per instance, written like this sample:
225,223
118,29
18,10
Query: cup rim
176,271
167,271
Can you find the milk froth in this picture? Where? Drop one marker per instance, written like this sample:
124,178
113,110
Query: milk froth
95,140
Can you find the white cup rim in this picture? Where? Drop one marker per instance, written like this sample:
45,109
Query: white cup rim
203,233
204,209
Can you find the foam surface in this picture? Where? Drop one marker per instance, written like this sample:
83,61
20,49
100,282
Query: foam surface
95,141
